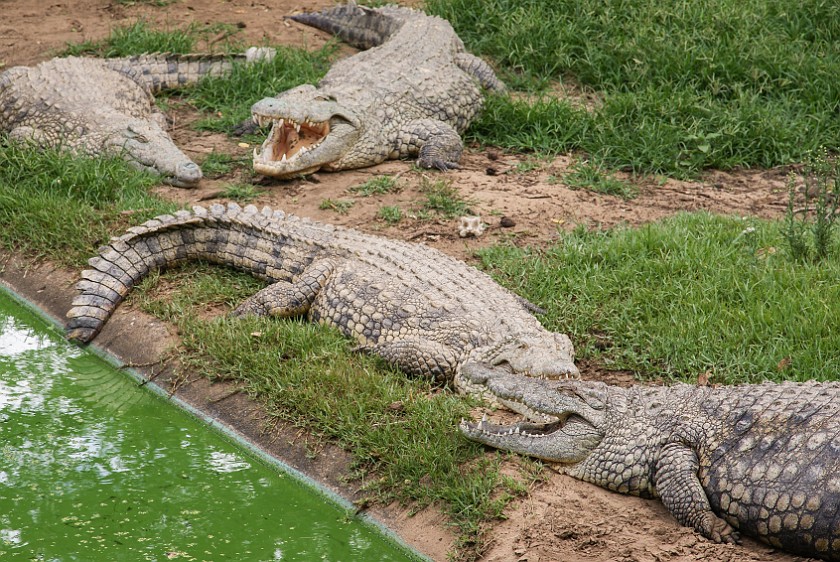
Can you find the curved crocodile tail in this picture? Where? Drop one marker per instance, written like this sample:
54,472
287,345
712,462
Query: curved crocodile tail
228,234
161,71
359,26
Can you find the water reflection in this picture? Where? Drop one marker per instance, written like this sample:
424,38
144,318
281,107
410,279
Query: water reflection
94,468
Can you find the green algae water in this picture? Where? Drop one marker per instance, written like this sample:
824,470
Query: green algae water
95,468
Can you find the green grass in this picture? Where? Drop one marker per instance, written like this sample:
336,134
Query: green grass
140,37
61,207
379,185
691,294
241,191
685,85
391,214
217,164
586,175
442,199
340,206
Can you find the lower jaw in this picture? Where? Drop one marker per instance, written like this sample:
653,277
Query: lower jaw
181,183
268,170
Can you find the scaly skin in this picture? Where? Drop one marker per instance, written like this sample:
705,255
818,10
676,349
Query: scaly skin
760,459
105,106
410,94
418,308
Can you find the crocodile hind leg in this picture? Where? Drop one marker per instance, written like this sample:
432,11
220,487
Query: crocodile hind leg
681,492
437,144
285,299
418,356
476,67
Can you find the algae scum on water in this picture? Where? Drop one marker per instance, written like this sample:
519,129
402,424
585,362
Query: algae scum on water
95,468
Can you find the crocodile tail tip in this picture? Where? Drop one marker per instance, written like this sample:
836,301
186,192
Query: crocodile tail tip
80,334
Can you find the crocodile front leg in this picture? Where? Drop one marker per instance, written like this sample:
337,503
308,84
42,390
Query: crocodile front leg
437,144
284,299
418,356
681,492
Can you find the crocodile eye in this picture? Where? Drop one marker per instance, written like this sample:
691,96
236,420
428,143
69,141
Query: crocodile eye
325,97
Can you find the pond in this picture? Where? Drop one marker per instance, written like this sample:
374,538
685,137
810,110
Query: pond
94,467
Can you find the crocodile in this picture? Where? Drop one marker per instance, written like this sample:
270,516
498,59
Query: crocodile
758,459
410,93
419,309
97,106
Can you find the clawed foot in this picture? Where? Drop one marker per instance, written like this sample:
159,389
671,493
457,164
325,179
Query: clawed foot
438,164
718,530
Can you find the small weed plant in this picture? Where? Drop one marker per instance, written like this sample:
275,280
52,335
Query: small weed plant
588,175
218,164
379,185
809,228
442,199
241,192
340,206
391,214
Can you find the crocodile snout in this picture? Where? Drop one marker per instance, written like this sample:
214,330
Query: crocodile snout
187,174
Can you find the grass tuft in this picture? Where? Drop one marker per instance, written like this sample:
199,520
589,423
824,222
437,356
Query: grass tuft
140,37
218,164
340,206
586,175
60,206
241,191
442,199
379,185
391,214
809,229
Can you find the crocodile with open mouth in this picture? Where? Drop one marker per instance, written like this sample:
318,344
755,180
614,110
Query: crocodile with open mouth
762,459
410,94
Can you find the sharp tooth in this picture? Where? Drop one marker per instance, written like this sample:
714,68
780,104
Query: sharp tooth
256,154
281,123
516,430
255,119
297,127
484,417
283,159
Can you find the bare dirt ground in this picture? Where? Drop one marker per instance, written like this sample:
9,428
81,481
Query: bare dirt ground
562,519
